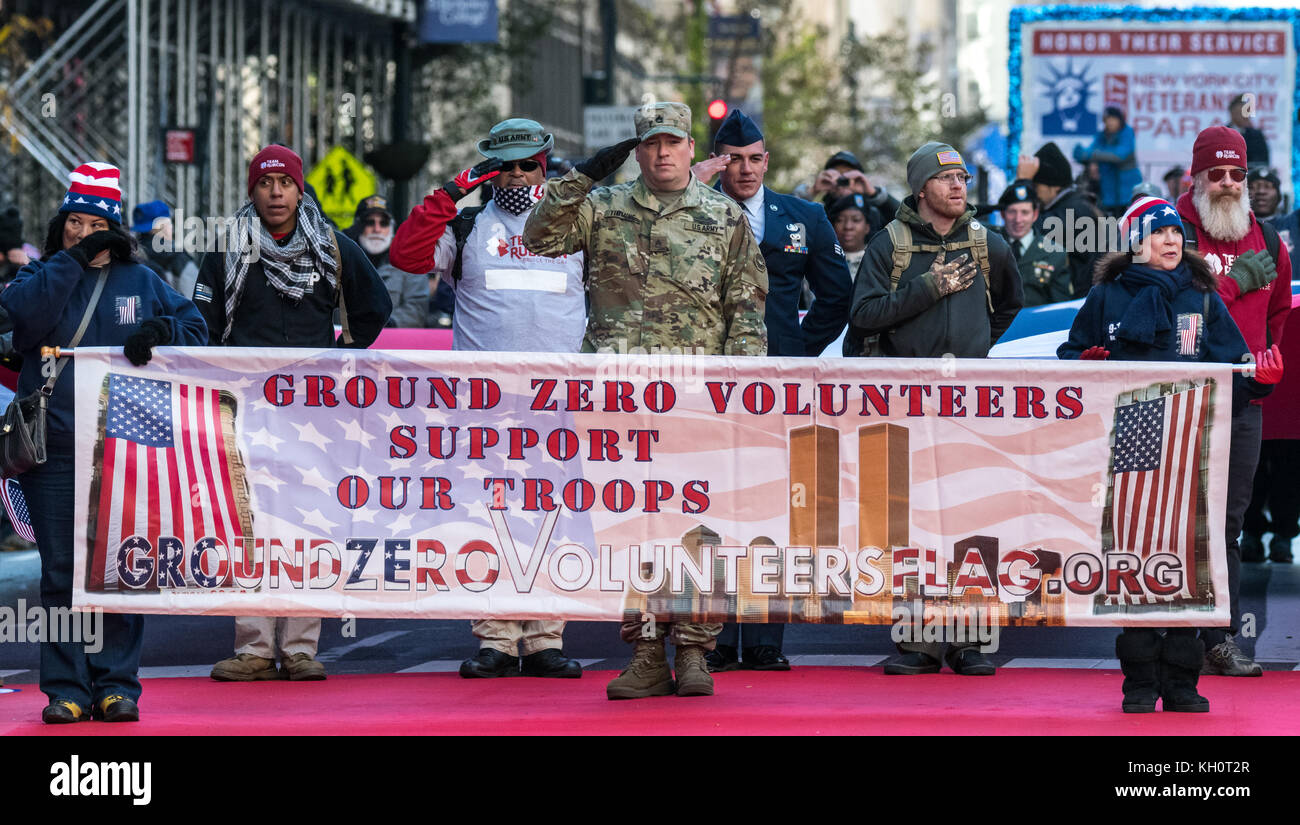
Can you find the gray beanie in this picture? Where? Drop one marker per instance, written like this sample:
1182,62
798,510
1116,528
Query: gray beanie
930,160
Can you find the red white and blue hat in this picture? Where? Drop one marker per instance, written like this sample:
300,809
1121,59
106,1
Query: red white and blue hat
1146,215
95,190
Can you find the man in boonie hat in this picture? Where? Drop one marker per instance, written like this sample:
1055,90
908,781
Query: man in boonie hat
507,300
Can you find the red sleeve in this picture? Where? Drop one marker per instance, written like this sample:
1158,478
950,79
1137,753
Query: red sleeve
417,238
1279,302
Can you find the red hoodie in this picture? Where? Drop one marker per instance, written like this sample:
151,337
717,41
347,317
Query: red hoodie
1254,311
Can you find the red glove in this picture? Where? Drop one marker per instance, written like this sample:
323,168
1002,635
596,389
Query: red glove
1268,366
1094,354
472,178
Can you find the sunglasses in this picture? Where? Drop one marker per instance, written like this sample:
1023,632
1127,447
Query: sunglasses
522,165
1216,175
381,221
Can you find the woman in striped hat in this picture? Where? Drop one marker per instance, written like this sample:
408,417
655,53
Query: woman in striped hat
1157,302
49,301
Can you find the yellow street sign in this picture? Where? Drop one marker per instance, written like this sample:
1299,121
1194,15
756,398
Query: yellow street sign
341,181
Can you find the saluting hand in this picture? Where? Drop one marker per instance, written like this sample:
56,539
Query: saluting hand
472,178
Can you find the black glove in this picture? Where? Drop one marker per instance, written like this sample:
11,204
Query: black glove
89,247
154,332
607,160
472,178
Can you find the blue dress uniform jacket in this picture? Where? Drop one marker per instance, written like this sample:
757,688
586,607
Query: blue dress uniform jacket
799,243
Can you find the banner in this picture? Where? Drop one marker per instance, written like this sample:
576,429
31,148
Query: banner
705,488
1173,72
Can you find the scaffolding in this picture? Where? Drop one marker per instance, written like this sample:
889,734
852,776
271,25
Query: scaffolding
240,73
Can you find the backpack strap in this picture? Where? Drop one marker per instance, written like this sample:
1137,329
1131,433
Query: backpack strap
900,237
461,226
343,306
1272,240
979,237
1189,235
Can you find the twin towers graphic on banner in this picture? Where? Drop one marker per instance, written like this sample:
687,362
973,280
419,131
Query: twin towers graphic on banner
884,480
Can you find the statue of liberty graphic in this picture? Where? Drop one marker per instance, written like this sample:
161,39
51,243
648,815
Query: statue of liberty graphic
1069,92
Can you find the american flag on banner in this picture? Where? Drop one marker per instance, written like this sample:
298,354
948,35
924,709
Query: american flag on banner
16,507
1156,476
166,471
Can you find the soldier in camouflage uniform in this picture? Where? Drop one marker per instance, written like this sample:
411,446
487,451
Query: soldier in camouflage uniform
671,263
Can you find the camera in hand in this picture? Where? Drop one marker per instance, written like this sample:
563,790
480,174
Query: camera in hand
843,181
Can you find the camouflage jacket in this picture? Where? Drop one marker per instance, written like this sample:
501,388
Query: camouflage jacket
692,277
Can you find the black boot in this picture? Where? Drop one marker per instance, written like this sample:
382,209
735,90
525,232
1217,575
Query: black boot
1181,657
1138,650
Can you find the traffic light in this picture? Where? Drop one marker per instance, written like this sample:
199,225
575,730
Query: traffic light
717,110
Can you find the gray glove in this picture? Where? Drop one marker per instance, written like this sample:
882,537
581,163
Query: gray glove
945,278
1252,270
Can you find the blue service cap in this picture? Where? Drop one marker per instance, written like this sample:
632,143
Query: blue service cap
738,129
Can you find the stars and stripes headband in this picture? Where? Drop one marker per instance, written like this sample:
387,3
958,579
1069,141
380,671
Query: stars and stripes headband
95,189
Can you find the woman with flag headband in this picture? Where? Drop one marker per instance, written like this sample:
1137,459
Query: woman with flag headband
88,286
1157,302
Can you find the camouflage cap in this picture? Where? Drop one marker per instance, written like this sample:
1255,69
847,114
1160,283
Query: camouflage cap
663,118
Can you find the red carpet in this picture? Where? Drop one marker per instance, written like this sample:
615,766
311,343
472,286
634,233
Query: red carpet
805,701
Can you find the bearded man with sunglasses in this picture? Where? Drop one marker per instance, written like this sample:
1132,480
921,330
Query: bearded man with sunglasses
1254,274
372,229
507,300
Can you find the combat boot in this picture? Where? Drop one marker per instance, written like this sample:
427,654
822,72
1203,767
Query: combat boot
1181,656
646,675
1138,650
693,677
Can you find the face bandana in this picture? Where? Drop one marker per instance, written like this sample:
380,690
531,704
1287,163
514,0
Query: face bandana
519,199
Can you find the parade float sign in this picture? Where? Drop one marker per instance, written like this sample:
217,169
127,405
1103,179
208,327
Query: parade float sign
708,488
1173,73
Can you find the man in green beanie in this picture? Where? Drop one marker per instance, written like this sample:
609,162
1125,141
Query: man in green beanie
935,283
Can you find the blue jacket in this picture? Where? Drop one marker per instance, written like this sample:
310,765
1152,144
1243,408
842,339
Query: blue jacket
799,243
1116,159
1199,328
46,302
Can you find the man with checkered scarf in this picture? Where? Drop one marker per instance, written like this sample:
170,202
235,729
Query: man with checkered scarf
277,283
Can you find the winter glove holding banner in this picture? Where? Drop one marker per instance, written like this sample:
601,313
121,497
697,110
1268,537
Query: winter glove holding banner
1094,354
1253,269
602,164
88,248
139,346
1268,366
472,178
950,277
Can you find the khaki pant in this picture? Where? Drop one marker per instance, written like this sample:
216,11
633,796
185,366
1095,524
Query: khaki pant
679,633
519,638
264,635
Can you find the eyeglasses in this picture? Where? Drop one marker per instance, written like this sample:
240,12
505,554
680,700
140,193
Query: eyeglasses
522,165
948,179
381,221
1216,175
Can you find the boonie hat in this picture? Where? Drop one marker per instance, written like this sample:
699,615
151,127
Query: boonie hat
515,139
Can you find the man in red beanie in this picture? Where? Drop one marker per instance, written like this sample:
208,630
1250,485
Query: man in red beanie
283,272
1254,281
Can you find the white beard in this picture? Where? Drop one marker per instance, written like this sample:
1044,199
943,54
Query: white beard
1224,220
376,244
